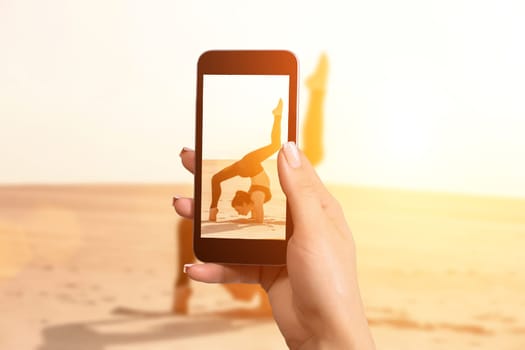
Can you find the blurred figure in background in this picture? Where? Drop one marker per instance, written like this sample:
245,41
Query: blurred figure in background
312,137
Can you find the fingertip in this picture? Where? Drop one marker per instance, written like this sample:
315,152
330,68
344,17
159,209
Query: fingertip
188,159
218,273
186,267
206,272
194,271
291,154
183,207
184,150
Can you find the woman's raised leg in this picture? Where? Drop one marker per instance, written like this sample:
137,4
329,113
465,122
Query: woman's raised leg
261,154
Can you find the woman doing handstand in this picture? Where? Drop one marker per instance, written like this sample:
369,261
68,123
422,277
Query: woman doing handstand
250,166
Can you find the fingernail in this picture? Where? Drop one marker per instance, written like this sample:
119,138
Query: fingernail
175,198
186,267
292,154
184,149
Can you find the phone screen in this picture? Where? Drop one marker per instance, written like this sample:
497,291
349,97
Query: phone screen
243,127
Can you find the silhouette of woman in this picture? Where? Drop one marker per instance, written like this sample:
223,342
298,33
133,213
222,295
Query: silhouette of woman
250,166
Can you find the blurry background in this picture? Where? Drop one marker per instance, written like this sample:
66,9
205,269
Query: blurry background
424,146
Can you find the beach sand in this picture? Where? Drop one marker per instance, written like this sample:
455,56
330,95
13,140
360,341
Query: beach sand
92,267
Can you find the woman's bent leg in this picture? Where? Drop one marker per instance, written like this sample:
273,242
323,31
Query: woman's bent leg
182,290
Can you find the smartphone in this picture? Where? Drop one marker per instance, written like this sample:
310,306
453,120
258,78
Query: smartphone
246,109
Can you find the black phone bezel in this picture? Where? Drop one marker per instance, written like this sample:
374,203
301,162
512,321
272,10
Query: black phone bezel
241,62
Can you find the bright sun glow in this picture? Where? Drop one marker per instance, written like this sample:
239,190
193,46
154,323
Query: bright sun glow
420,94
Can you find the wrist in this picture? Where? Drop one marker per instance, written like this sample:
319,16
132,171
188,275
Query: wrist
342,341
354,332
343,333
328,343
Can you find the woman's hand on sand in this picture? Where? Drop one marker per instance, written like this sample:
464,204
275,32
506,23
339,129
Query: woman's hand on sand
315,299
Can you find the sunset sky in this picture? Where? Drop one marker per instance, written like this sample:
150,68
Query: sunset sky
426,95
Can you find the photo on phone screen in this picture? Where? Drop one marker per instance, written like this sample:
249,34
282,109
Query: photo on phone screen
244,124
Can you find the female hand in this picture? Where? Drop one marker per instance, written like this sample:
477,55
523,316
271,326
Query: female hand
315,299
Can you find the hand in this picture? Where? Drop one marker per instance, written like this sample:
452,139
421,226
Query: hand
213,214
315,299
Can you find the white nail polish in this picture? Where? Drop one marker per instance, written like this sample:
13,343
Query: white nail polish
186,267
185,149
292,154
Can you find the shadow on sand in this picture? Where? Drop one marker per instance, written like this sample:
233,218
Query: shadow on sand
156,327
239,224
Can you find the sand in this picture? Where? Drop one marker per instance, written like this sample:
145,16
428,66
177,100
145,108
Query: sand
92,267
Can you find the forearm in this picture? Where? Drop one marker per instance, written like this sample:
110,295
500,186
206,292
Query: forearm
215,192
257,219
257,198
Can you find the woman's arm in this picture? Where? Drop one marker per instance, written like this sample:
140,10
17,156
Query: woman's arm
257,198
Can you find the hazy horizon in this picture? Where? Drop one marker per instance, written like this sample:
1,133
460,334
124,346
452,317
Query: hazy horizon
330,185
420,95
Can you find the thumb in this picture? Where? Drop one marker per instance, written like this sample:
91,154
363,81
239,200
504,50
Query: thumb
306,194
